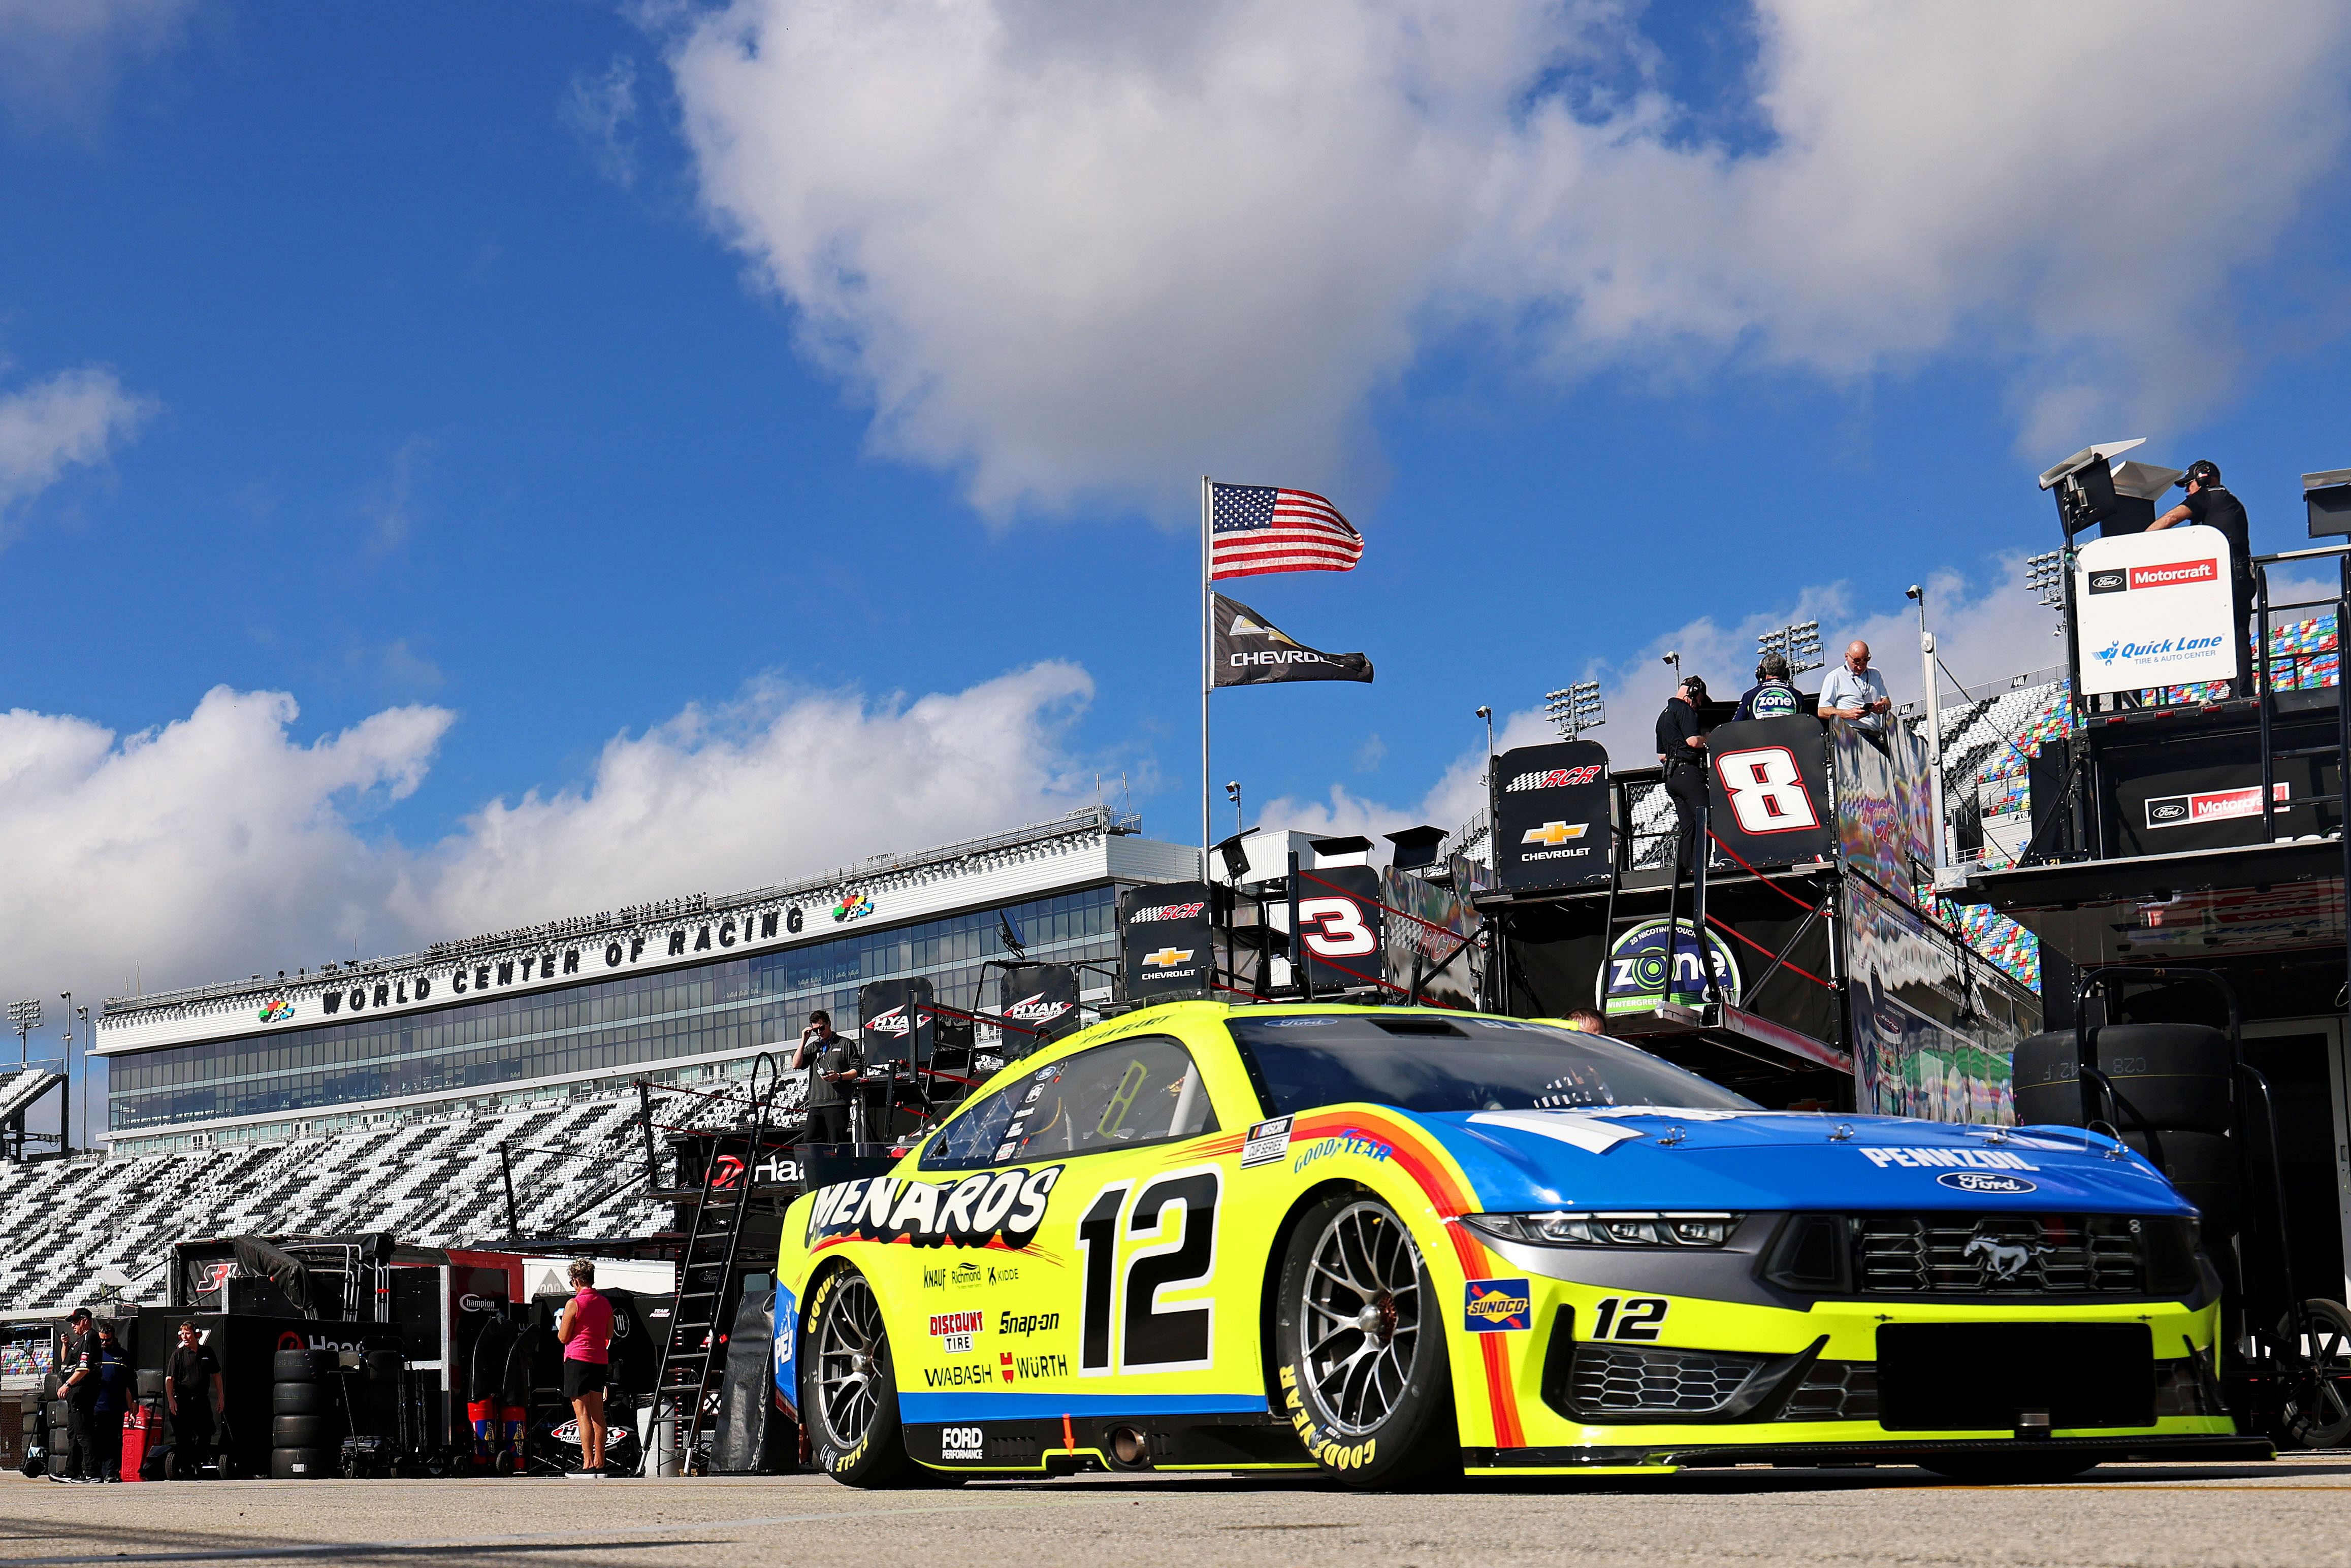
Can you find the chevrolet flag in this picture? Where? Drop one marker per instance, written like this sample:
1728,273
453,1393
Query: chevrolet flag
1250,652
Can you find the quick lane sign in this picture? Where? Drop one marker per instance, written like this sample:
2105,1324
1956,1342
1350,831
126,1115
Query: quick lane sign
2154,610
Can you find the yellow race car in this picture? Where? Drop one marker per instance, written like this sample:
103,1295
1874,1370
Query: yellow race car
1395,1244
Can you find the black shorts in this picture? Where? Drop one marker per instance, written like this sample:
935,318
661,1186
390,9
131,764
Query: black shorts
582,1378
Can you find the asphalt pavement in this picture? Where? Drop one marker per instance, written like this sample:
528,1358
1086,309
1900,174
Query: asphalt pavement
2296,1512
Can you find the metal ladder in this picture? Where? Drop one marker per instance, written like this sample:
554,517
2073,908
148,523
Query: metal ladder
694,1357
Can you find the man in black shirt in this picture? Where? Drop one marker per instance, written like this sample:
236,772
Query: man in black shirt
1682,751
97,1395
828,1095
69,1453
2209,503
191,1385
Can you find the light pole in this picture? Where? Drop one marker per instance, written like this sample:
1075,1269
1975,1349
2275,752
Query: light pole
24,1018
1934,709
1799,643
89,1039
1233,793
1488,715
65,1107
1575,708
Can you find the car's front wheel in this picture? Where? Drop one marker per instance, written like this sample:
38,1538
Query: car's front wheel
1360,1366
848,1389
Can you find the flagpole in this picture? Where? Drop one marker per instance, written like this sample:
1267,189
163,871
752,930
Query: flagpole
1207,672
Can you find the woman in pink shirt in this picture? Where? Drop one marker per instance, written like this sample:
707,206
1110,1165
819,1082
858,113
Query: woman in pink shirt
586,1330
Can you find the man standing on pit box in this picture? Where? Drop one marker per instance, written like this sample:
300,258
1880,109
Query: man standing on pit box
191,1385
1857,693
2209,503
1681,751
1774,695
832,1057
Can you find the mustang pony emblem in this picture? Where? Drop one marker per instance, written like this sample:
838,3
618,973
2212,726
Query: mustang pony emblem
2003,1261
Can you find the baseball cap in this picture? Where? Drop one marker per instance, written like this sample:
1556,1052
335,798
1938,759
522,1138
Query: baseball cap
2198,473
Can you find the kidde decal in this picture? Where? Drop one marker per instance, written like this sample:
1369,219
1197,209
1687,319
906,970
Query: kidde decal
981,1208
2173,573
1972,1159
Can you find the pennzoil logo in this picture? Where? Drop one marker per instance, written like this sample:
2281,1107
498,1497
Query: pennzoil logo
1555,833
1497,1306
1168,958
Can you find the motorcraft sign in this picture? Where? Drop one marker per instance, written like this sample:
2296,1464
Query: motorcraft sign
2154,610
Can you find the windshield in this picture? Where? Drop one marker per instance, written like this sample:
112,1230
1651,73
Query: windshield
1418,1062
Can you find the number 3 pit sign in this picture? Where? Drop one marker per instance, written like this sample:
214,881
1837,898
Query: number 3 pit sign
2155,610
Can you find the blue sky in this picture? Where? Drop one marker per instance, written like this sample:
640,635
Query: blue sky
653,407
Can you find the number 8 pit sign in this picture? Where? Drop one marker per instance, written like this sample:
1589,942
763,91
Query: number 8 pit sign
1770,797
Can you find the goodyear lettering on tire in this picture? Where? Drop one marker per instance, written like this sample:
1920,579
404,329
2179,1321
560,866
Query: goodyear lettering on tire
1334,1456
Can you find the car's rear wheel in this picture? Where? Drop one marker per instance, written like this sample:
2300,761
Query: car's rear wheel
848,1386
1359,1348
2009,1469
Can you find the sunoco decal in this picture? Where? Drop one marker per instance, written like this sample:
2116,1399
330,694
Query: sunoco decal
1497,1306
981,1209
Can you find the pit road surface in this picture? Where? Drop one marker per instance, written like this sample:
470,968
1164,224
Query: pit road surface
2297,1513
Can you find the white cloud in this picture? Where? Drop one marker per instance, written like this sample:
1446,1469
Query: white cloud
1092,251
71,421
220,845
59,57
600,110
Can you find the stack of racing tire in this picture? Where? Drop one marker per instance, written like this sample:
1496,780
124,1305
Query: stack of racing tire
2175,1102
36,1419
305,1414
59,1440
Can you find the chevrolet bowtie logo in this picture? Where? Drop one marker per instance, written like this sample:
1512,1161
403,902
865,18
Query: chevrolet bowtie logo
1554,833
1168,958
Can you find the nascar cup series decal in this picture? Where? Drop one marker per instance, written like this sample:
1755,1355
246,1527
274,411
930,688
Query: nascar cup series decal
1496,1306
1266,1142
981,1210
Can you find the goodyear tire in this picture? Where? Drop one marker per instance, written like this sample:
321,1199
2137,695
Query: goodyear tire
1360,1368
849,1388
302,1399
2171,1075
300,1366
2202,1169
305,1431
2009,1469
301,1464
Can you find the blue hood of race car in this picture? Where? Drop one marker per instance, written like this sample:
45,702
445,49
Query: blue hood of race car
1746,1161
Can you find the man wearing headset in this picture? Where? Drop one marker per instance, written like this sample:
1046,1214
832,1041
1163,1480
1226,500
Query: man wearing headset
2209,503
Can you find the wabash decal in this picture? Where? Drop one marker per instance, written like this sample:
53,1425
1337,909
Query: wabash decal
982,1209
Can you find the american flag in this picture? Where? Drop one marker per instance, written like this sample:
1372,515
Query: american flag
1254,529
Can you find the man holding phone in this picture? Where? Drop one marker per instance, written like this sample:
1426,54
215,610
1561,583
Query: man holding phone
835,1066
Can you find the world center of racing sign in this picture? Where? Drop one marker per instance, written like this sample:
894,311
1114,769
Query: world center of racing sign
2155,610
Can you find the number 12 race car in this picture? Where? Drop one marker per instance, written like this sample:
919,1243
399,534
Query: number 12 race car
1396,1244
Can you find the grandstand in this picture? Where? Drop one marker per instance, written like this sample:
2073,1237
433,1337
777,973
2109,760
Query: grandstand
432,1182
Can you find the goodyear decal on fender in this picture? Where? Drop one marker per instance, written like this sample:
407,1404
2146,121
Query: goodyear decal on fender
1497,1306
985,1207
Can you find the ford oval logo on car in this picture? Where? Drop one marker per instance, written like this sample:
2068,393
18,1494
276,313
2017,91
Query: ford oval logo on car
1985,1181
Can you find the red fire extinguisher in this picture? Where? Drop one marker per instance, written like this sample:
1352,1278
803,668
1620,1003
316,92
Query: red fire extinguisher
135,1427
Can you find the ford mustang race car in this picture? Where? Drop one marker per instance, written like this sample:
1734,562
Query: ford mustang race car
1395,1244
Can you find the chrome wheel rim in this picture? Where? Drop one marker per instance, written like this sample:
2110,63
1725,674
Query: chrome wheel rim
1360,1318
850,1361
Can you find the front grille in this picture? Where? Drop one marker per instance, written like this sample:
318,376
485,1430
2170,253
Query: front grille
1834,1391
2039,1254
1621,1380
